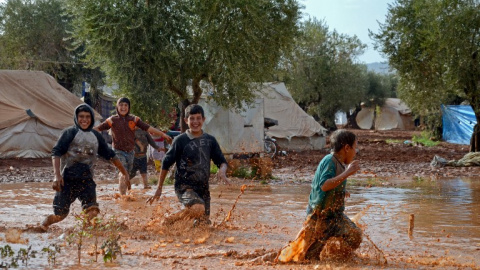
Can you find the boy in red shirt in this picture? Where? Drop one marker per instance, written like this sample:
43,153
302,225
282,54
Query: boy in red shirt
123,136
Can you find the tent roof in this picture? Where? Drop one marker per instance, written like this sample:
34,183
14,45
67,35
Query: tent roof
293,121
398,105
35,94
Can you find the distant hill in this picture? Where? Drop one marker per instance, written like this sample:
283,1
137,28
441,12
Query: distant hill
379,67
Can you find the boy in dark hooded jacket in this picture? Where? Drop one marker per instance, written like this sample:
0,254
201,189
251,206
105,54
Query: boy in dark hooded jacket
73,157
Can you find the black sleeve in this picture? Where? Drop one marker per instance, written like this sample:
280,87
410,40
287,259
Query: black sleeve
216,153
103,149
174,153
61,147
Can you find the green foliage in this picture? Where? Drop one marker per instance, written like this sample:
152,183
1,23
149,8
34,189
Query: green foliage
52,250
213,169
369,182
33,36
26,254
434,45
153,181
79,233
392,141
323,74
111,246
424,139
242,172
155,49
7,252
169,181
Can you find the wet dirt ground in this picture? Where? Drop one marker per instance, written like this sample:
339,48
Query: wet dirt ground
395,182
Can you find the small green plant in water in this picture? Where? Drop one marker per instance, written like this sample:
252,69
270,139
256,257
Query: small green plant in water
52,250
7,252
111,246
26,254
79,233
424,139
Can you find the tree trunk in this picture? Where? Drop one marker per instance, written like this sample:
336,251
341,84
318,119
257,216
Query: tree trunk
475,139
183,105
352,118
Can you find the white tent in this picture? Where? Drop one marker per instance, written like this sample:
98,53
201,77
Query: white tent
235,132
243,132
34,109
394,114
293,121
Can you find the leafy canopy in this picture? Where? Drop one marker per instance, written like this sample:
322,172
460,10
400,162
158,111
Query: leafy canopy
433,44
323,74
155,49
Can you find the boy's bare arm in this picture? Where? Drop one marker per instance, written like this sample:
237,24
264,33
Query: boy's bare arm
158,192
58,181
120,167
337,180
160,133
222,173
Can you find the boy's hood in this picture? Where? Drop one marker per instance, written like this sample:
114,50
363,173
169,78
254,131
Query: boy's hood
92,115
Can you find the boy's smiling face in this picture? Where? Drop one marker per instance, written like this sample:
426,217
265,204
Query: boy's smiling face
84,119
195,123
123,108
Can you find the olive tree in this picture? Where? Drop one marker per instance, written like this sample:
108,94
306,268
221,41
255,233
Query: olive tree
158,50
434,46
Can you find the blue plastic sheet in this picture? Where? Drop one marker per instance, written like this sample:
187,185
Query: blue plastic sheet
458,122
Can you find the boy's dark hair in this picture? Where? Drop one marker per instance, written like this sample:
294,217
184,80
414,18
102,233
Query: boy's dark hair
340,138
194,109
123,99
83,108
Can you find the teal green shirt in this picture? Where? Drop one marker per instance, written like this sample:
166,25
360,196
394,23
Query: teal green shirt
333,201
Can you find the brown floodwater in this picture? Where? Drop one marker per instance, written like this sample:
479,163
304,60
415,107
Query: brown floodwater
446,231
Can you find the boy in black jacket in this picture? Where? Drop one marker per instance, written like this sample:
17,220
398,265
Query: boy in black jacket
192,152
73,157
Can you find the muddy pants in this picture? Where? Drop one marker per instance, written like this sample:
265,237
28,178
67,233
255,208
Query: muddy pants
323,228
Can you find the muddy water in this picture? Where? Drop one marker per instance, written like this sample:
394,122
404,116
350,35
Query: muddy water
446,230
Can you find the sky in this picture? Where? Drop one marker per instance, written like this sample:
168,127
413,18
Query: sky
351,17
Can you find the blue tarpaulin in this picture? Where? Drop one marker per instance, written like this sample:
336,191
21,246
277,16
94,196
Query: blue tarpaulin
458,122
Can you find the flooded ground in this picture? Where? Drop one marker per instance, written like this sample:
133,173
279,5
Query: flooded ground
446,230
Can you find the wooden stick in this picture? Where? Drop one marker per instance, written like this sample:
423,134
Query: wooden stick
411,221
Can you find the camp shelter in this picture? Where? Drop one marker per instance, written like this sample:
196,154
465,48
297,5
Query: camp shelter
236,132
34,109
394,114
458,122
296,130
243,131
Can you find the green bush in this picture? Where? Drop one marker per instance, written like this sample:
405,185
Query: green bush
424,139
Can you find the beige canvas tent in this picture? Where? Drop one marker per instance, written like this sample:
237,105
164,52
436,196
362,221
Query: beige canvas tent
394,114
243,132
34,109
296,130
236,132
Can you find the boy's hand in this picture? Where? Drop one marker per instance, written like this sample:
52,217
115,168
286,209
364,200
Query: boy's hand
155,197
353,167
223,178
168,139
57,183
